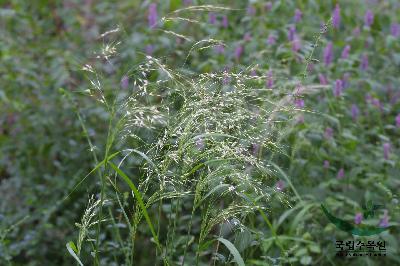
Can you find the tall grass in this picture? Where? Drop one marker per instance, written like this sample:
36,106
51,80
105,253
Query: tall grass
192,154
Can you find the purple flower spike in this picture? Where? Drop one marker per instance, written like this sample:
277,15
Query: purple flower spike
271,39
247,37
340,174
346,51
368,18
152,15
268,6
364,62
345,79
322,79
124,82
328,54
328,133
212,18
358,218
297,15
354,112
299,103
326,164
384,222
239,51
386,150
398,121
270,80
395,30
336,17
187,2
338,88
220,49
291,32
280,185
375,102
149,49
251,10
296,43
225,22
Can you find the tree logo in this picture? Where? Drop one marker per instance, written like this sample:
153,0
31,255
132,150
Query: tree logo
360,230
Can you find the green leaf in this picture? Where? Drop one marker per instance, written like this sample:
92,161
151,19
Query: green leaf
306,260
232,250
72,249
314,248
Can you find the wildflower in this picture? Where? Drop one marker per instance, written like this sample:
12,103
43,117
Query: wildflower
368,98
268,6
271,39
310,67
368,18
247,37
291,32
187,2
296,44
270,80
345,80
225,23
384,222
358,218
364,62
226,79
338,88
340,174
149,49
336,17
280,185
386,150
322,79
220,49
328,133
299,103
328,54
326,164
251,10
375,102
124,82
152,15
297,15
395,30
356,31
354,112
346,51
212,18
397,120
300,119
239,51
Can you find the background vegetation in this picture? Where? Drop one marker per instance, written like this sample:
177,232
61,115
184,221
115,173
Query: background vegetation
197,132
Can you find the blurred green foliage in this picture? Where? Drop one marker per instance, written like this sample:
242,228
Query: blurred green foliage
44,153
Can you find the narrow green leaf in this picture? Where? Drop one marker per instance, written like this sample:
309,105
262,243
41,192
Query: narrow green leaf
71,249
139,199
232,250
